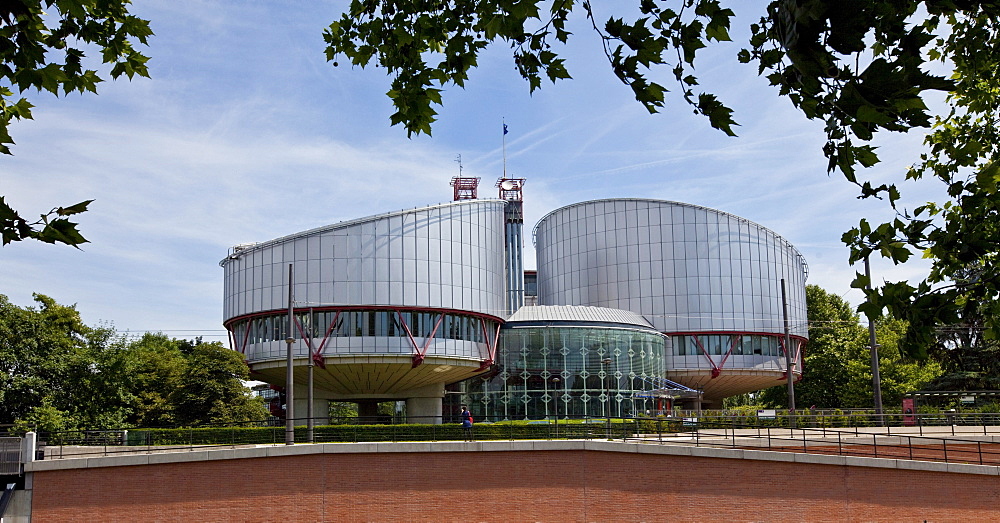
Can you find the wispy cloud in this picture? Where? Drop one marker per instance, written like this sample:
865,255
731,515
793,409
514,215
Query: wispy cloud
246,133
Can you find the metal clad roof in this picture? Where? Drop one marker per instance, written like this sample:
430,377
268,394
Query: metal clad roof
575,313
245,248
778,237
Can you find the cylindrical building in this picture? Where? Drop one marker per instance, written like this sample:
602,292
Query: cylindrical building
709,280
388,307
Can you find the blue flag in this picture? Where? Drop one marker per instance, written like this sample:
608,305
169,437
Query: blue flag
504,128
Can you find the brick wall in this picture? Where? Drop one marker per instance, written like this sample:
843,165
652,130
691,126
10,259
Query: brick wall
570,485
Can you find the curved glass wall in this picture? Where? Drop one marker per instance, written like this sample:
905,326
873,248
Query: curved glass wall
361,323
737,344
570,372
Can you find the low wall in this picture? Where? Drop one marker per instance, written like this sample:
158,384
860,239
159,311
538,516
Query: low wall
507,481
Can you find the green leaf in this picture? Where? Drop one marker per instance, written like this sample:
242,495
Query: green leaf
61,230
718,114
868,113
74,209
988,177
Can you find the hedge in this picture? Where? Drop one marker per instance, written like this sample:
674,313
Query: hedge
597,429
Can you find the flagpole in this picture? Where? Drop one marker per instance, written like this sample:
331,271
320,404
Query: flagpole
504,120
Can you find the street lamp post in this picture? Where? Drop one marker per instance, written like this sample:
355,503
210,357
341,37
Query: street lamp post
605,404
556,381
290,371
873,347
789,377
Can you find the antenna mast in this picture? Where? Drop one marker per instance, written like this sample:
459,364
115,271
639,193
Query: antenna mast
465,186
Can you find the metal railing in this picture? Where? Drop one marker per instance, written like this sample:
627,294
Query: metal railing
10,456
848,418
78,444
846,442
805,433
6,497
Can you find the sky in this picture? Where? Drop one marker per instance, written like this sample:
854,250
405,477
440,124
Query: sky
245,133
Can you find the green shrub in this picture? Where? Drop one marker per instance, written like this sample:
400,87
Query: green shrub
505,430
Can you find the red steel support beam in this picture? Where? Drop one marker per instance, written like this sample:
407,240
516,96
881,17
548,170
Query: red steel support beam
419,354
732,346
406,328
318,355
419,358
246,336
490,347
715,368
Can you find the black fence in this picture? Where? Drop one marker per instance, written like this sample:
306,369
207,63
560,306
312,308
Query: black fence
848,433
964,448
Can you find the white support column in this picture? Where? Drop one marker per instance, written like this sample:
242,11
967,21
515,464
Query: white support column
424,405
28,445
321,409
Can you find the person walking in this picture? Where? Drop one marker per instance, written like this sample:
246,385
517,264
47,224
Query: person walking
467,422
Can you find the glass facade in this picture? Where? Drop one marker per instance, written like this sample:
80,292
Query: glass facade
570,371
365,323
740,345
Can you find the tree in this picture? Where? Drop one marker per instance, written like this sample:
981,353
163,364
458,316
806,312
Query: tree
158,366
899,374
835,337
341,410
110,379
211,389
54,368
862,67
837,361
42,48
971,361
58,374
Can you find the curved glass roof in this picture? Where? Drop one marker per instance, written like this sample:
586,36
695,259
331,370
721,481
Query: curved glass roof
578,314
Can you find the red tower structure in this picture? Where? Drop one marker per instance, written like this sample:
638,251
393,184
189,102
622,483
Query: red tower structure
510,189
465,188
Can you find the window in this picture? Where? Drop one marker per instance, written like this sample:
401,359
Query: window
370,323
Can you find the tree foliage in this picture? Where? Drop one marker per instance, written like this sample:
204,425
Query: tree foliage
837,360
158,367
211,388
971,361
864,68
50,360
425,45
58,374
42,48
